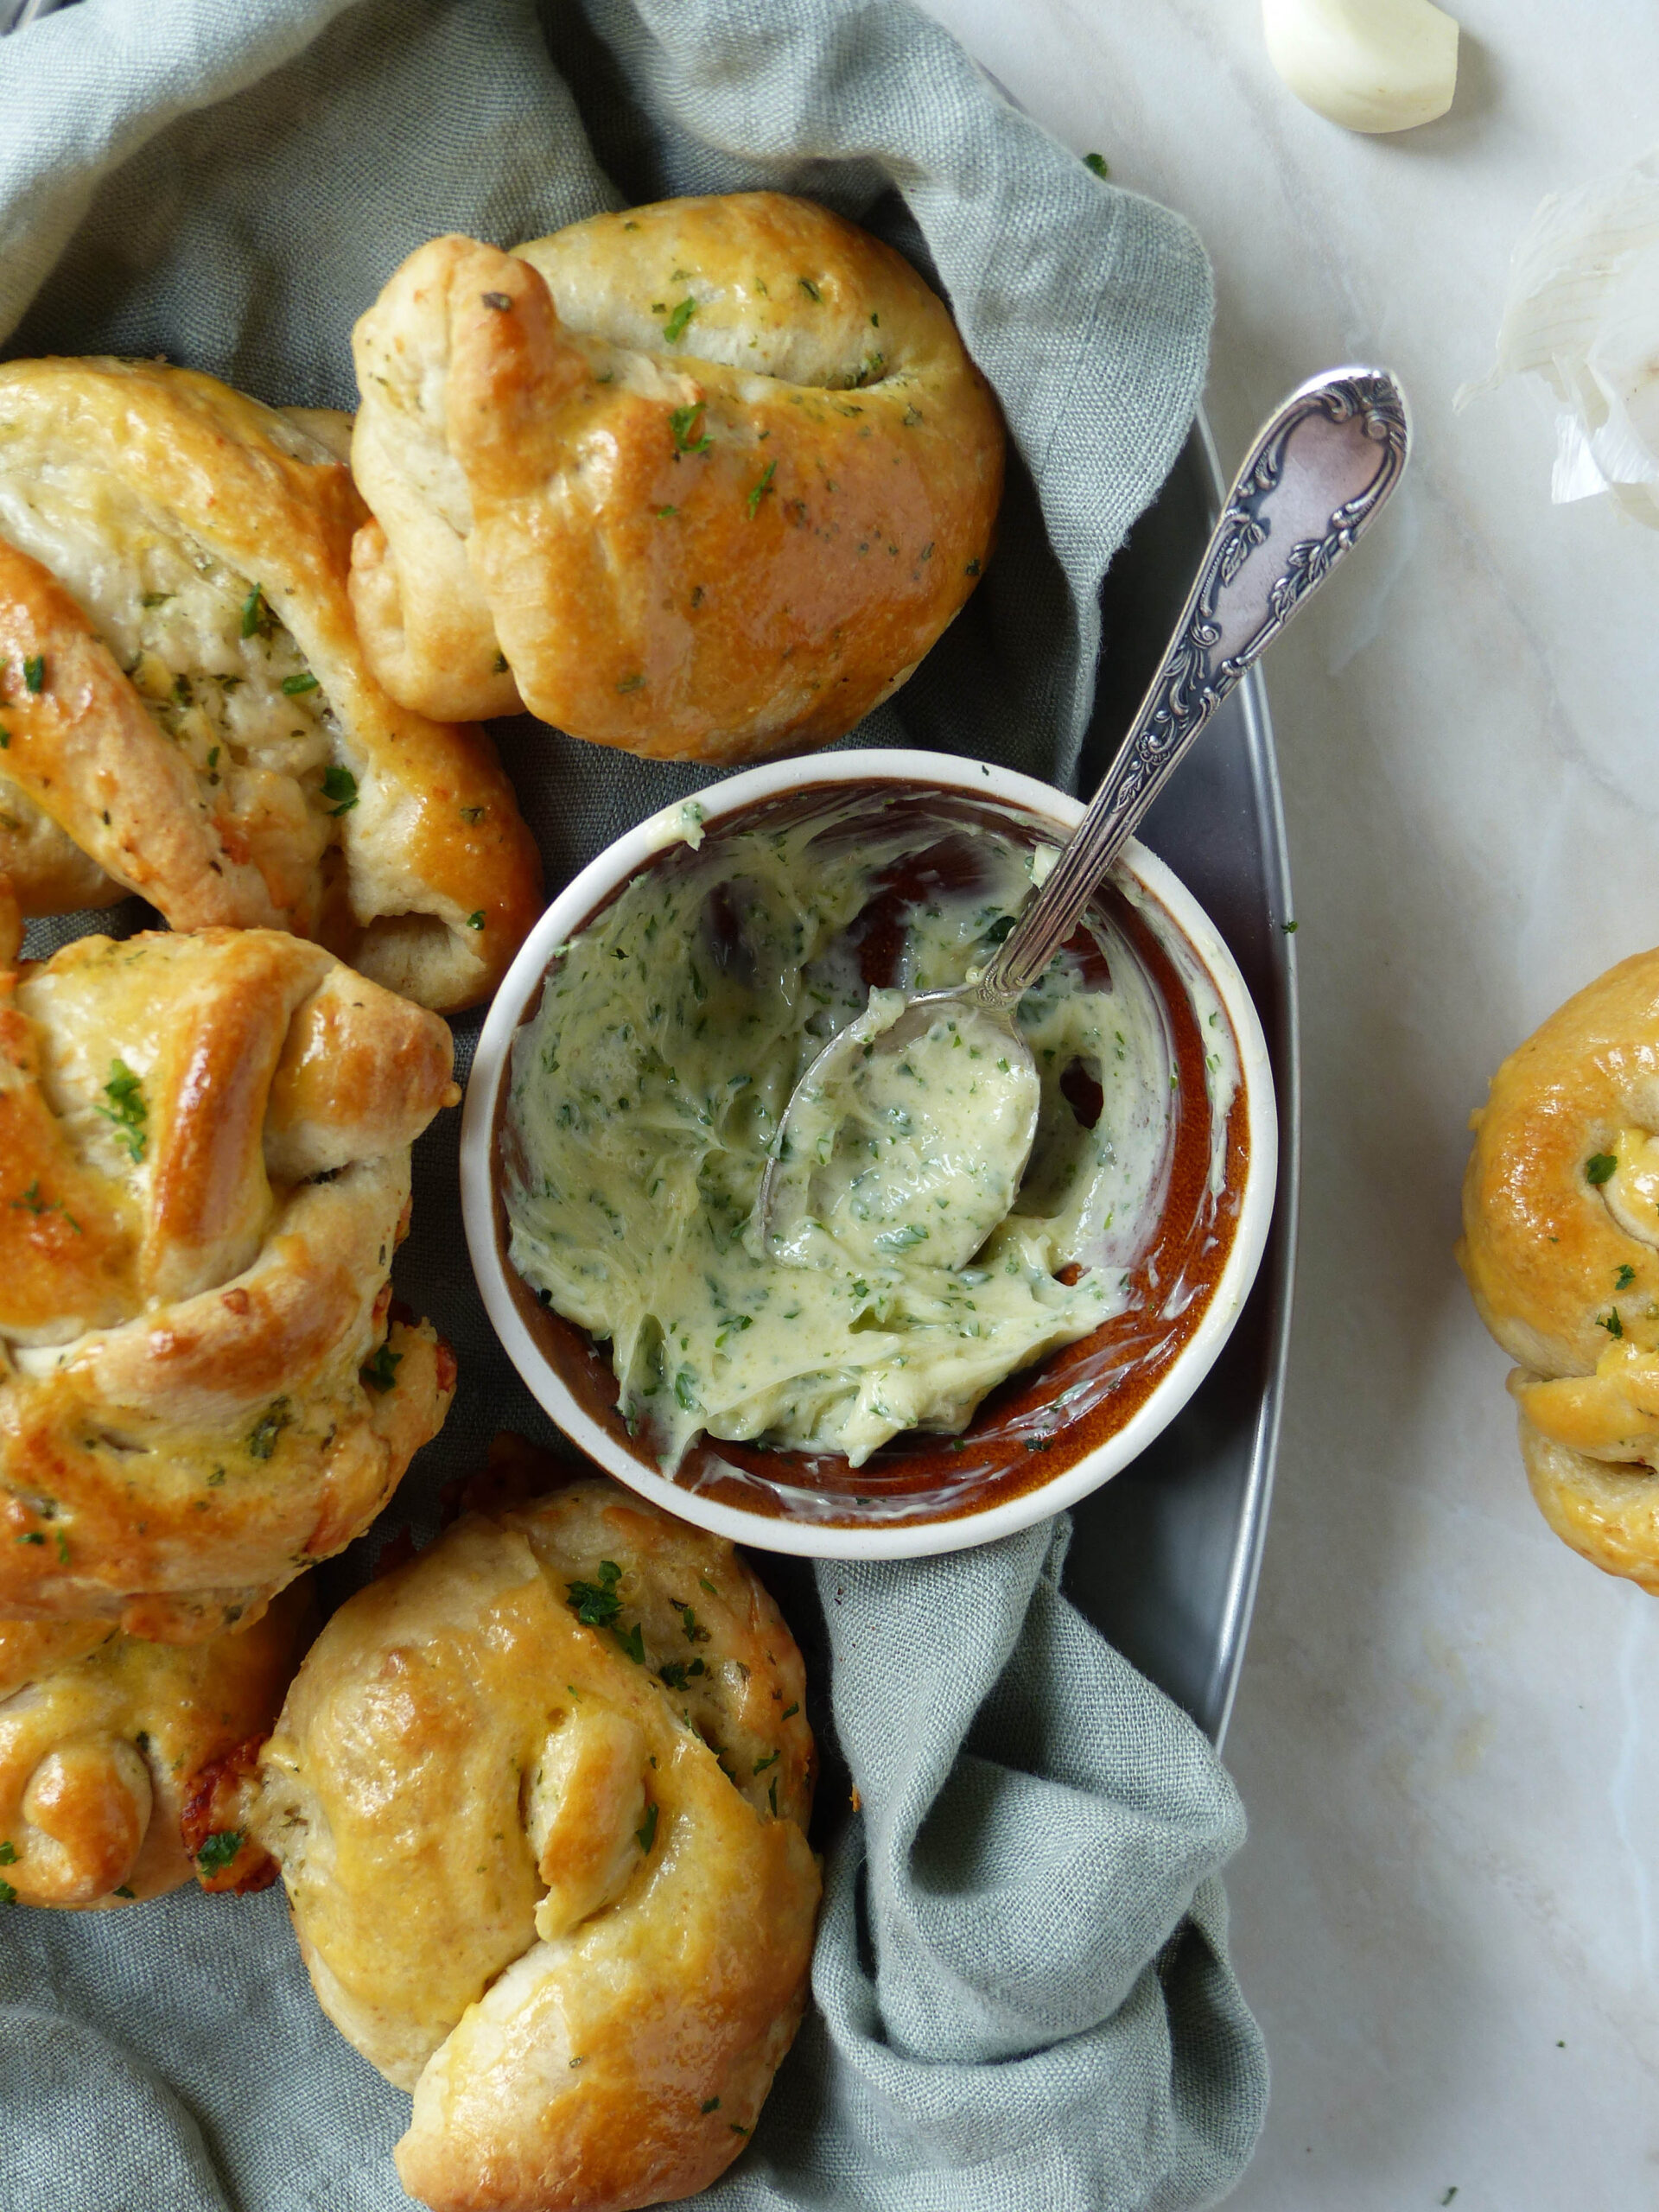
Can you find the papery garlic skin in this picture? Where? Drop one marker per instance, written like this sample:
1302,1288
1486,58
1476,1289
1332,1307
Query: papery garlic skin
1370,64
1582,312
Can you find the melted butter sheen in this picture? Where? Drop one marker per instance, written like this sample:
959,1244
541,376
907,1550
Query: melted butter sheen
647,1089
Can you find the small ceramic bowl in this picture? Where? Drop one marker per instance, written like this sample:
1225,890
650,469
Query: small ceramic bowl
1051,1434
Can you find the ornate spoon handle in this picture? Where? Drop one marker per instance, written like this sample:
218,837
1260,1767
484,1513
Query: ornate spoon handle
1318,473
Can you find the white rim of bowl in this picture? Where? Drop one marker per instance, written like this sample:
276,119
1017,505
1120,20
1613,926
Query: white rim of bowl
619,861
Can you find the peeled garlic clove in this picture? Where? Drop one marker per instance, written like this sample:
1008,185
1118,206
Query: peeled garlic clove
1370,64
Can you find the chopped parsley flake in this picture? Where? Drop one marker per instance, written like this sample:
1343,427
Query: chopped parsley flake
1625,1278
476,920
1612,1322
646,1836
633,1641
682,425
8,1854
771,1759
902,1240
262,1441
1600,1167
7,1895
711,2104
32,1202
1097,163
761,489
257,620
809,289
380,1373
219,1849
296,687
596,1604
340,788
126,1108
35,671
789,1713
674,328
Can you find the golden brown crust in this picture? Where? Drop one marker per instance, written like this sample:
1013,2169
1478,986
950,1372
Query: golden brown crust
203,767
104,1750
1608,1513
203,1173
1560,1249
49,871
84,750
698,534
561,1892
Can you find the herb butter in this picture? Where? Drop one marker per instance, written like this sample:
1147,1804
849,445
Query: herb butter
645,1093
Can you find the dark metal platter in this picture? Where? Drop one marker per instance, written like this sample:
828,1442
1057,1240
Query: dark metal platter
1166,1557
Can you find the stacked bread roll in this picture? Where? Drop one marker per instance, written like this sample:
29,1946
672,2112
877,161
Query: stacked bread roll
188,713
204,1173
701,481
539,1799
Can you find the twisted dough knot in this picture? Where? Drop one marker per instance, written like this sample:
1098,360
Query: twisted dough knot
696,480
204,1171
104,1743
1560,1249
185,709
539,1801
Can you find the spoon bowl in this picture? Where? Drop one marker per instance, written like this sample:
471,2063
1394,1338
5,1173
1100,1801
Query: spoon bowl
913,1125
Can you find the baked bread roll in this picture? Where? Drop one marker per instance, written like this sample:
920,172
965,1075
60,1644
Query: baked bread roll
700,480
1561,1248
186,710
539,1800
204,1171
122,1763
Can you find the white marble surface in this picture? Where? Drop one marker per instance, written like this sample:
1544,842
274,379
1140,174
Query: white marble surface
1447,1914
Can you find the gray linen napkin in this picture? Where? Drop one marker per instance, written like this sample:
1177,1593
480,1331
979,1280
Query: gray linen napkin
1022,1993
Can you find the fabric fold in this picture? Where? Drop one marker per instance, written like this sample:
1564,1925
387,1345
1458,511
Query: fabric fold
1020,1975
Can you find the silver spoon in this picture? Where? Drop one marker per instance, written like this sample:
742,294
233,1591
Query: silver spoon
1317,476
18,14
